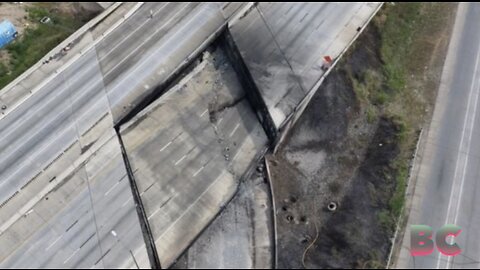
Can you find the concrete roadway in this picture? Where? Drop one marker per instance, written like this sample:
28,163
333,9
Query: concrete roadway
287,64
51,144
59,143
189,150
448,190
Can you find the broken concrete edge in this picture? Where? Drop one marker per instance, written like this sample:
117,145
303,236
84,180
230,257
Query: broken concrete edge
274,211
412,174
81,31
245,176
142,216
252,92
170,80
238,15
291,119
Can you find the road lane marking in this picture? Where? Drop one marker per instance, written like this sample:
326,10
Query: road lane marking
72,60
235,129
73,254
43,105
198,171
151,53
192,204
145,41
104,254
464,130
54,242
127,201
52,141
62,112
116,184
163,148
178,135
204,113
153,214
131,33
180,160
88,239
71,226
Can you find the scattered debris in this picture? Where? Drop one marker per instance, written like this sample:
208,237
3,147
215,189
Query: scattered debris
45,20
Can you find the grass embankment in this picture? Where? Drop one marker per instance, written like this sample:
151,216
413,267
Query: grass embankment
38,39
414,38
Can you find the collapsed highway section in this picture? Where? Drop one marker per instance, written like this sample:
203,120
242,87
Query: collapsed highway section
189,126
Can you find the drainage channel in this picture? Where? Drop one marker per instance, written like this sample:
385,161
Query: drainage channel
142,216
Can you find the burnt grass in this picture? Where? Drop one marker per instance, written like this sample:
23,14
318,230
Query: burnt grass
356,172
354,143
353,237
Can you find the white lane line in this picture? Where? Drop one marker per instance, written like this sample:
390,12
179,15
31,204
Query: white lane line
48,123
67,128
75,252
153,214
204,113
472,123
163,148
150,53
180,160
85,70
73,59
219,121
131,33
467,152
186,211
127,201
43,105
61,112
235,129
54,242
116,184
198,171
145,41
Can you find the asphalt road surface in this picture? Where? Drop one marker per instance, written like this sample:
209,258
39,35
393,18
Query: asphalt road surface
448,190
189,149
64,198
60,152
284,44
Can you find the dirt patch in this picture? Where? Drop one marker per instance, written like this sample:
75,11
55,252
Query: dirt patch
36,39
347,229
15,13
353,144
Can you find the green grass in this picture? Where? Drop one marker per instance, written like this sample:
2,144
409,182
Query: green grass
410,33
397,34
38,40
401,88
